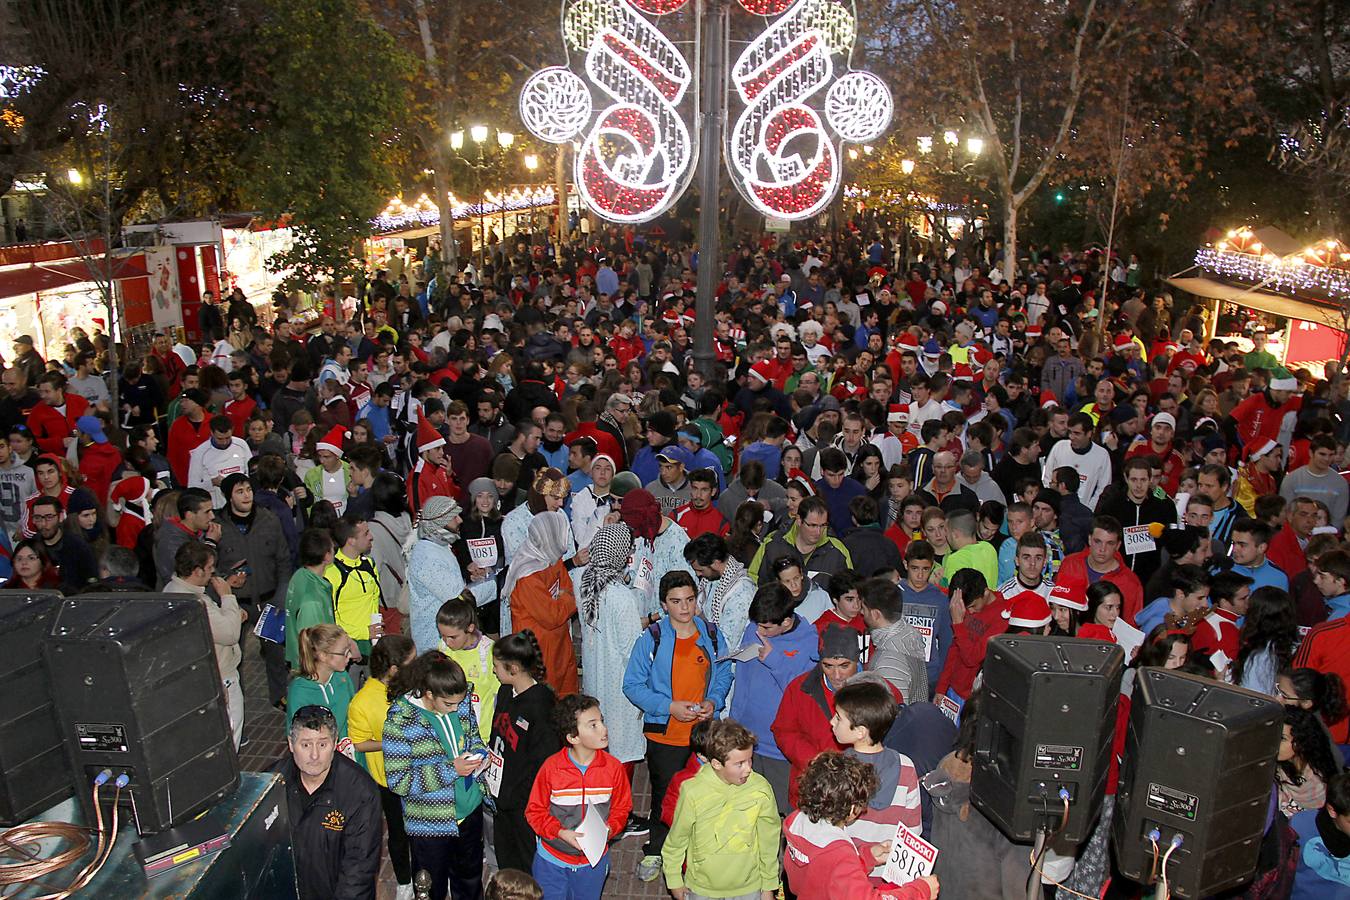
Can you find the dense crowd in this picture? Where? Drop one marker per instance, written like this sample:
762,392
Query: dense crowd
503,542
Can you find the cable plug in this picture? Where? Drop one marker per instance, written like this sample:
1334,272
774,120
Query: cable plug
1176,841
122,780
1064,794
102,777
1155,835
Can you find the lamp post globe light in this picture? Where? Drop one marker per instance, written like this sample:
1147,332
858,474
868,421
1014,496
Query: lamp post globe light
490,146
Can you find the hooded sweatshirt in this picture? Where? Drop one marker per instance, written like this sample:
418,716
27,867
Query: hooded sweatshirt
760,683
723,841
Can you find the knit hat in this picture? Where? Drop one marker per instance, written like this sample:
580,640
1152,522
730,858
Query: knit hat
1165,418
607,458
332,441
428,437
939,308
1070,593
1028,610
1050,497
483,486
623,483
640,512
79,501
662,423
839,642
92,426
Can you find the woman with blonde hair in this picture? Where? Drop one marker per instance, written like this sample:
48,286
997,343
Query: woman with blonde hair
325,652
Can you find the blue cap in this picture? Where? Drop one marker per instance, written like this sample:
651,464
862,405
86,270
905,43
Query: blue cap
676,453
92,426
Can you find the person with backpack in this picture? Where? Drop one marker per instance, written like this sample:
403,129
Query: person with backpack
677,675
356,584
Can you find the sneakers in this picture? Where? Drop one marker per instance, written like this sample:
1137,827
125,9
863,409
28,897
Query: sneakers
243,742
404,892
636,827
649,868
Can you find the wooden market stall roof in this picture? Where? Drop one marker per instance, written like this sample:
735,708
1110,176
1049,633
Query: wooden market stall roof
1321,312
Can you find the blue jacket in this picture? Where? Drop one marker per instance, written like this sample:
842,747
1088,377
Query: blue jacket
1321,874
646,681
837,500
760,683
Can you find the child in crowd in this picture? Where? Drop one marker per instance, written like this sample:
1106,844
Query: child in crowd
864,712
464,642
724,838
365,726
325,652
581,773
512,884
845,609
926,607
433,757
822,860
523,736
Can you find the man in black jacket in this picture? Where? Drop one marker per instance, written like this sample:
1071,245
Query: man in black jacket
337,832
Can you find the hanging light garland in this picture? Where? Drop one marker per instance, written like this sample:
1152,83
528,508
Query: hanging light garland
423,213
1322,268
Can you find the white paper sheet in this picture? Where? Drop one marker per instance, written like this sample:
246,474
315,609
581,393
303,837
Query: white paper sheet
593,835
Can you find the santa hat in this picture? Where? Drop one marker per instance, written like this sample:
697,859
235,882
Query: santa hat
761,371
1028,610
1123,340
1094,632
1262,449
133,489
1286,382
908,341
1171,347
428,437
1033,332
963,372
798,477
1048,399
899,412
1070,594
332,441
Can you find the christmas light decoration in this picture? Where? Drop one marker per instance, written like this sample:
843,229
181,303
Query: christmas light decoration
1322,268
638,156
423,213
782,158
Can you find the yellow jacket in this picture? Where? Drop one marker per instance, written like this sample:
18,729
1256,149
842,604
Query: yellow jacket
356,596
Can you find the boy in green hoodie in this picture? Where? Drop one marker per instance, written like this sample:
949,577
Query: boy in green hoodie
725,798
309,597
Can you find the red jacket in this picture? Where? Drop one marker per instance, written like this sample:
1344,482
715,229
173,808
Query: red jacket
427,481
239,412
174,367
1074,567
1327,649
823,861
1217,631
696,523
184,437
673,791
1285,552
98,462
1258,421
969,641
50,428
562,792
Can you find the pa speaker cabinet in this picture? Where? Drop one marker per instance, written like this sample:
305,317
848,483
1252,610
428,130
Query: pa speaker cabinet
137,691
34,771
1046,725
1199,762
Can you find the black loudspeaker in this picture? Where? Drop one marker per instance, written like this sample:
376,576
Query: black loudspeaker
34,772
1199,763
137,691
1046,726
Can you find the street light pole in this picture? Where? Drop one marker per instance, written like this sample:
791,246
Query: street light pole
712,115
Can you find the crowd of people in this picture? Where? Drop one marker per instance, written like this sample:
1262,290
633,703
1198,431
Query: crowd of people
522,545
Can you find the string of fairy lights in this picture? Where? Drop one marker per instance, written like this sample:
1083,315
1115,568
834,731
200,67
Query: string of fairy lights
1321,268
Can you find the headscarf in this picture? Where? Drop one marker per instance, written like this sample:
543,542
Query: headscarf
641,513
732,572
610,549
433,522
545,544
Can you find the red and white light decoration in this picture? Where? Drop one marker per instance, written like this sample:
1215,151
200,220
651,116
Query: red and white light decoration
782,158
638,155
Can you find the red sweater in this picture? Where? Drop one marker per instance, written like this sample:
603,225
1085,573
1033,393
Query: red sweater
51,428
822,861
1285,552
1075,568
697,523
98,462
184,437
1327,649
239,412
673,792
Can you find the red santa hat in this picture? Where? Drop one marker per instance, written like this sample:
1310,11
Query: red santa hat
133,489
1094,632
908,341
1071,594
899,412
1260,450
1033,332
963,372
799,478
428,437
761,371
332,441
1028,610
1123,340
1048,399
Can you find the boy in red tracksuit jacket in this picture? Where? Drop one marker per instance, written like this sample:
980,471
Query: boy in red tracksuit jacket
821,859
977,615
581,774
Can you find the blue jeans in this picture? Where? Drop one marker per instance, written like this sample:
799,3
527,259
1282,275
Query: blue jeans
562,882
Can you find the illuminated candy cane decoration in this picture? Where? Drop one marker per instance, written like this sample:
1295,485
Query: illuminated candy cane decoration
782,158
638,155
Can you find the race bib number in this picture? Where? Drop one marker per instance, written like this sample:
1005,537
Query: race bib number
347,748
642,581
477,705
911,858
483,551
1138,540
492,773
949,707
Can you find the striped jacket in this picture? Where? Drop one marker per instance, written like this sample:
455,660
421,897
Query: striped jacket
417,769
896,801
562,792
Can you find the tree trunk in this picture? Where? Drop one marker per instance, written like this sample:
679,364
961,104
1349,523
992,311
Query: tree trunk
440,161
1009,238
560,192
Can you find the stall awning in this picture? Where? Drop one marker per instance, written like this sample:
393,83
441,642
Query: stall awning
20,280
1275,304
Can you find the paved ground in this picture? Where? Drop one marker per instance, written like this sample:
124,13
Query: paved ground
265,729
